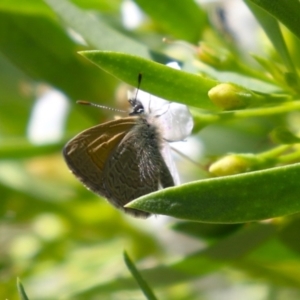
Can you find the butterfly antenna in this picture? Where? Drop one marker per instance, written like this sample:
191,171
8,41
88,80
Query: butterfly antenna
139,84
83,102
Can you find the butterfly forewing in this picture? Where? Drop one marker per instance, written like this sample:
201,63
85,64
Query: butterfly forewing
87,153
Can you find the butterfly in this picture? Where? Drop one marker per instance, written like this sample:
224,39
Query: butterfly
122,159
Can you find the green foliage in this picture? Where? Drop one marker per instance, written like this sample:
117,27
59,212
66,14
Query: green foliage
66,243
139,279
188,88
207,201
21,290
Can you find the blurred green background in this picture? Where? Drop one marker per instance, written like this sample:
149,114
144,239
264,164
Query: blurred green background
61,240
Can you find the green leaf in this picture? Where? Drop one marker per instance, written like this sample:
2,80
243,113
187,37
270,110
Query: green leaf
233,199
183,19
282,135
273,261
31,7
38,6
15,106
286,11
53,59
186,88
205,230
235,246
22,148
138,277
272,29
289,232
21,290
97,33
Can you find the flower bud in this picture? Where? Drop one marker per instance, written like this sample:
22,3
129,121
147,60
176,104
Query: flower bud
229,96
233,164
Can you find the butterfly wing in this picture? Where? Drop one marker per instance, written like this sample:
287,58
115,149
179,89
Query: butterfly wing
120,160
87,153
136,167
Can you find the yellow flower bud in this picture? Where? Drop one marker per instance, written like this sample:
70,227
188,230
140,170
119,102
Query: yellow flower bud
229,96
232,164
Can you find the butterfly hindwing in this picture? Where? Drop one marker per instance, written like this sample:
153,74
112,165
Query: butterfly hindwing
136,167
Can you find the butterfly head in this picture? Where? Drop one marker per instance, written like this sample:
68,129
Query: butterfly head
137,107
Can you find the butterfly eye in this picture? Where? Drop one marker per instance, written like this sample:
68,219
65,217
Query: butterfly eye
137,106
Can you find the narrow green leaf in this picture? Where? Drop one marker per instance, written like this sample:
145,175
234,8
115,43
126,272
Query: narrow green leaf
53,59
233,199
138,277
21,290
31,7
282,135
22,148
241,243
273,31
186,88
286,11
38,6
183,19
205,230
15,107
279,273
95,31
289,233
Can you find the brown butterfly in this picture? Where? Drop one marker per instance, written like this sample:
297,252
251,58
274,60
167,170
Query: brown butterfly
121,160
